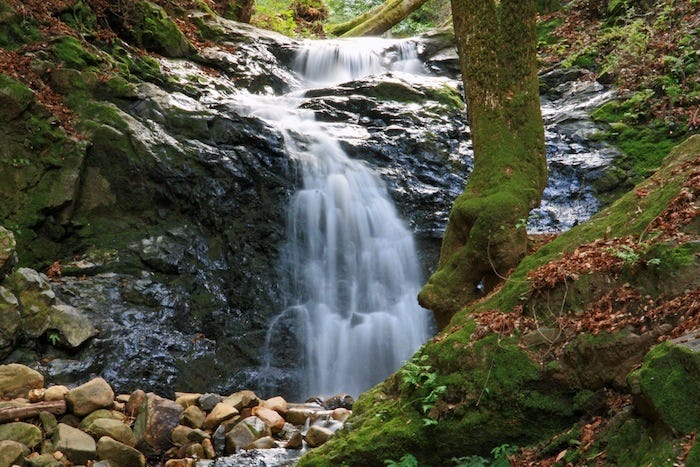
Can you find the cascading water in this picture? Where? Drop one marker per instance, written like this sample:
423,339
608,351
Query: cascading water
352,264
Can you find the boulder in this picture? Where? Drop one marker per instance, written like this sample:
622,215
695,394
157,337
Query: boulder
153,29
278,404
270,417
318,435
9,321
344,401
17,380
208,401
93,395
218,414
242,399
134,403
21,432
15,98
209,452
246,432
266,442
12,453
55,393
187,399
102,413
77,446
48,423
71,324
340,414
295,441
193,416
8,255
35,296
299,413
119,454
666,387
115,429
180,435
45,460
156,419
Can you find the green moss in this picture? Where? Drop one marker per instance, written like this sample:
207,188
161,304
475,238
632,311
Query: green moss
71,53
666,387
15,98
153,29
636,443
16,30
80,17
693,455
494,394
545,31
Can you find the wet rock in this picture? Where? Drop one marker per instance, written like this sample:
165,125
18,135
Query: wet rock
218,414
344,401
193,417
295,441
341,414
263,443
181,463
93,395
12,453
79,447
115,429
244,433
46,460
72,325
21,432
119,454
17,380
156,420
298,414
318,435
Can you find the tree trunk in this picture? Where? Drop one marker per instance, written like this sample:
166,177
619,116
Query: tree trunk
496,43
377,21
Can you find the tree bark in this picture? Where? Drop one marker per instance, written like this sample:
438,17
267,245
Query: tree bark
496,40
376,21
32,410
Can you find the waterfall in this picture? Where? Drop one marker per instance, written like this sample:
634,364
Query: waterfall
353,273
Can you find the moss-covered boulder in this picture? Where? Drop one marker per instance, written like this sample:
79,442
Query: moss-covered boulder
15,97
17,380
154,30
21,432
666,387
9,320
36,298
8,256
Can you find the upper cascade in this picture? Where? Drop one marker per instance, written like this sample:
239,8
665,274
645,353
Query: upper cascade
337,61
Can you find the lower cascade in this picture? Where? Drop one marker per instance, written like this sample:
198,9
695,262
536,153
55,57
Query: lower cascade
351,264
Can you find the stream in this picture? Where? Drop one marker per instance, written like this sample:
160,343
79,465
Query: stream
301,190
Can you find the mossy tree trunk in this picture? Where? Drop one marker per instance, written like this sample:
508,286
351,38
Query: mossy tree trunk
377,21
496,43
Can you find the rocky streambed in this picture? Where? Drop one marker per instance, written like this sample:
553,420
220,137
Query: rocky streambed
89,425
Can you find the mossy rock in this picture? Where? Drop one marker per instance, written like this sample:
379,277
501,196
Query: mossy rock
15,29
666,387
637,442
15,98
494,393
72,54
154,30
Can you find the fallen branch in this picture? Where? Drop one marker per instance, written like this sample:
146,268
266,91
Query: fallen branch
32,410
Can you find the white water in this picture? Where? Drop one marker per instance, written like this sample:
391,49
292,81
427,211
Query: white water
354,274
